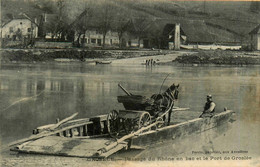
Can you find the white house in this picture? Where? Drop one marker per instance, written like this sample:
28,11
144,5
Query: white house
18,28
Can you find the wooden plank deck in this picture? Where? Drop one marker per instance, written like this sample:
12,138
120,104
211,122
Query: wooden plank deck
81,146
73,147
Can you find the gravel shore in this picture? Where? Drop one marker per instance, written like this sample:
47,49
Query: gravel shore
219,57
159,59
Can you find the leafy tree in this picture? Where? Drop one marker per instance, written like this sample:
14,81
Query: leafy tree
80,25
106,17
57,20
141,25
255,6
121,24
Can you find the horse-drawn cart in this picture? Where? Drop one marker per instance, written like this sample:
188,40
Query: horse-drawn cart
140,112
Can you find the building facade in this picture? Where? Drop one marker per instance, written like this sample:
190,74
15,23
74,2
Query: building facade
17,29
129,40
94,38
255,38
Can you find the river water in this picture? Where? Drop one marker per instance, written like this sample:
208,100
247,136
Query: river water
32,95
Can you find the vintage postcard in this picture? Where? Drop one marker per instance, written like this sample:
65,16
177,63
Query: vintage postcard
129,83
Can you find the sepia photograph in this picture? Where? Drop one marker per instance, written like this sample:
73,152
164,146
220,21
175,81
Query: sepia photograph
129,83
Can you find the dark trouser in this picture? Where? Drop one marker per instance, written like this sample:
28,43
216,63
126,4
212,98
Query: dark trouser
207,114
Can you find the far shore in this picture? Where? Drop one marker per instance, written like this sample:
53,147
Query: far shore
89,56
137,57
220,57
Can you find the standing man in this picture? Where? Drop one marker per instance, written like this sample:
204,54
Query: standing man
209,107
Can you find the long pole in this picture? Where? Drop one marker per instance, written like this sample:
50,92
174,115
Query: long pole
129,94
163,83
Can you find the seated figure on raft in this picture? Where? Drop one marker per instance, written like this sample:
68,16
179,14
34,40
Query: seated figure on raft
209,108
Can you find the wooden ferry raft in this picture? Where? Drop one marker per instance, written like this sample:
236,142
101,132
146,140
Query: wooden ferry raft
89,137
141,123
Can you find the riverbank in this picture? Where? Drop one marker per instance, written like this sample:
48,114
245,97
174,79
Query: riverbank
219,57
44,55
137,57
159,59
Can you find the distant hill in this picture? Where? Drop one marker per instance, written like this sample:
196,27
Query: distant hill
233,16
221,19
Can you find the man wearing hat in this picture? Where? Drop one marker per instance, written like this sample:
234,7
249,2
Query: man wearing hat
209,107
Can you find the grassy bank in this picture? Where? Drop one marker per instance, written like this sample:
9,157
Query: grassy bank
220,57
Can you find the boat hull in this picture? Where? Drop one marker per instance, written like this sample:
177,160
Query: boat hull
87,147
103,62
182,129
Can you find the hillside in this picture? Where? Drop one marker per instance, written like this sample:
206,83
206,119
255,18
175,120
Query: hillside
220,19
234,16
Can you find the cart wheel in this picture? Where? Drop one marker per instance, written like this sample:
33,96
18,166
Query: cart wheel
144,120
160,124
113,123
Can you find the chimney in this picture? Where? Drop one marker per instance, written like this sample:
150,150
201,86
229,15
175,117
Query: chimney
36,28
177,38
44,17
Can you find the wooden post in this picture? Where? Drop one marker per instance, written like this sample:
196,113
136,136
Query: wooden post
97,128
90,129
97,124
71,132
105,130
35,131
102,123
66,133
57,121
80,130
85,130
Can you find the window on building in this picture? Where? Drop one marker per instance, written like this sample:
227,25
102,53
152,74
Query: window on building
18,30
29,29
111,41
8,36
21,22
11,29
99,42
93,40
88,40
